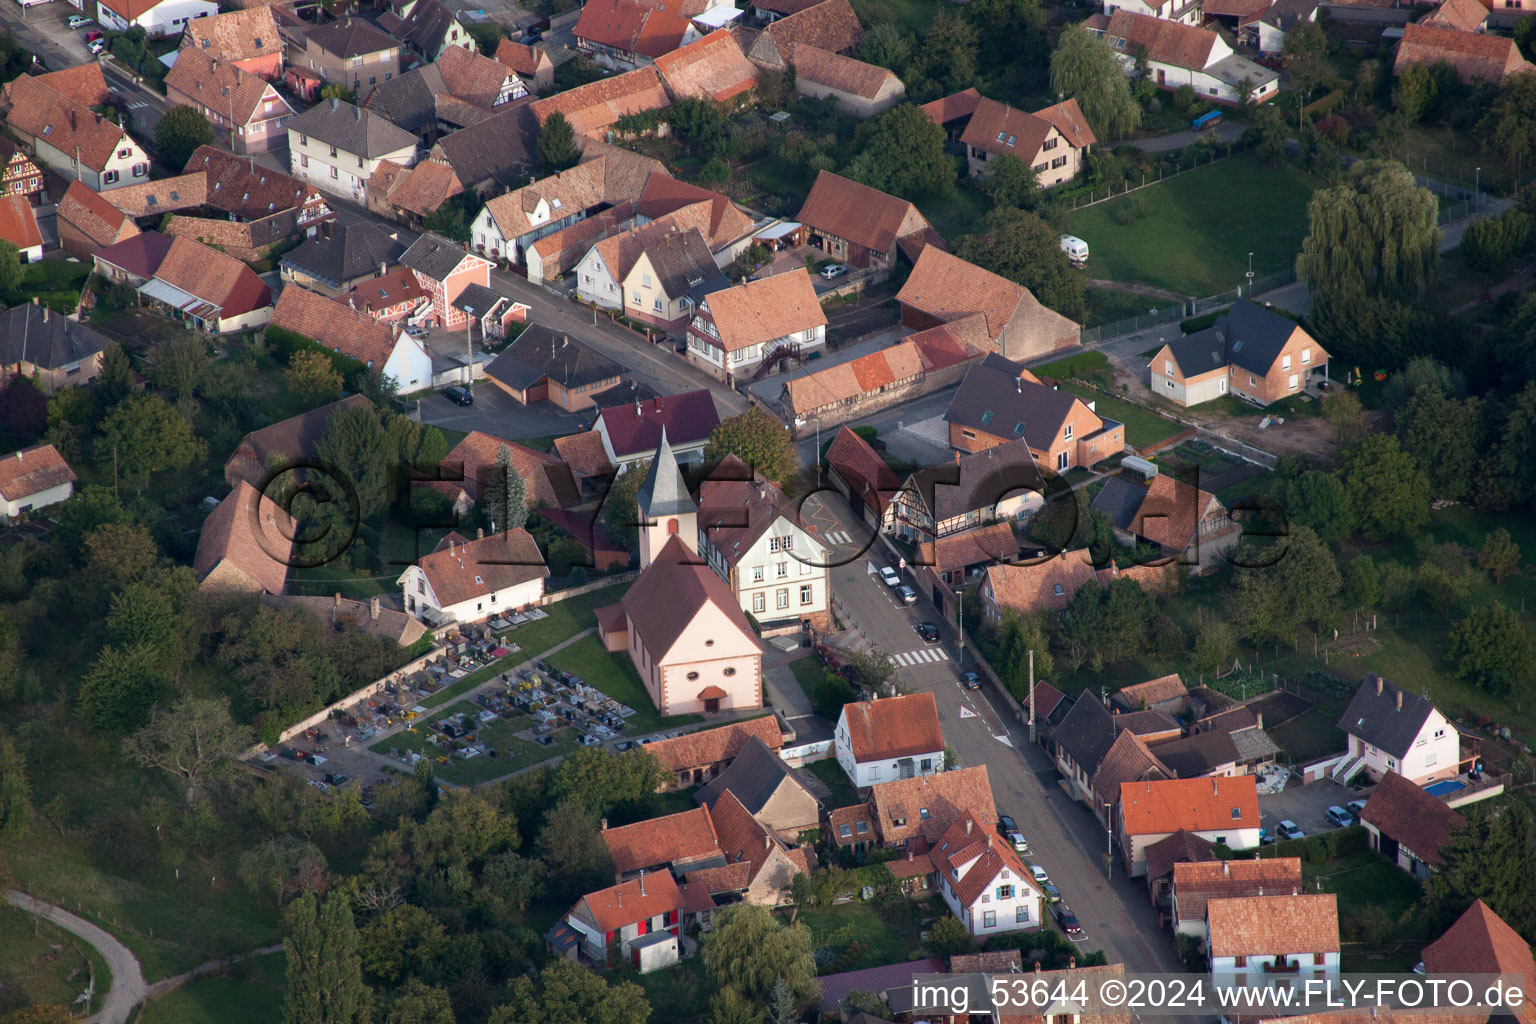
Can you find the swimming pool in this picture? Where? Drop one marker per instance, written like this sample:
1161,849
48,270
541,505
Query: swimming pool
1444,787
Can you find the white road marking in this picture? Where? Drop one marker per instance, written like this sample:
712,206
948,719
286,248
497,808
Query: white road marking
138,106
925,655
837,537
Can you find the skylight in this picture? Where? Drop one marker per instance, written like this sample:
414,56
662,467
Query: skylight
151,201
1057,589
986,417
1018,428
1012,139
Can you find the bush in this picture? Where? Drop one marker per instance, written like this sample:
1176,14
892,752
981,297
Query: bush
1128,211
1201,322
286,344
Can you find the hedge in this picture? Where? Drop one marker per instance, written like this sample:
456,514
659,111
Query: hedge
1201,322
1327,105
1342,842
288,343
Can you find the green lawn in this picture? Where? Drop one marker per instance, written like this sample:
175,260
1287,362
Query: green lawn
251,993
831,773
1142,427
912,15
1308,737
808,672
1364,879
957,210
1089,366
883,941
615,676
42,963
1179,244
1107,305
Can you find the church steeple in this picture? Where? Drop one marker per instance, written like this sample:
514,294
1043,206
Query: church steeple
666,507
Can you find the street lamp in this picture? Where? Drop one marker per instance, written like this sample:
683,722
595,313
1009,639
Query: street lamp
469,347
1109,843
1250,277
1477,189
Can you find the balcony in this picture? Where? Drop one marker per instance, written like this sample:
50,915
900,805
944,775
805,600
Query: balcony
1282,967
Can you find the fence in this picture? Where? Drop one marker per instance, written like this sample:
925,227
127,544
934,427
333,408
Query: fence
1090,336
1196,162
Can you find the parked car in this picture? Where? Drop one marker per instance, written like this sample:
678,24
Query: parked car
96,46
1075,248
1006,824
1016,837
335,779
1067,920
971,680
92,36
1339,816
889,576
1287,830
532,35
1052,894
1356,807
832,270
1039,873
79,21
928,631
416,331
459,396
906,593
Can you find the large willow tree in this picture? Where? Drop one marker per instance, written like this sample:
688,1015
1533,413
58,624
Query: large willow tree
1085,69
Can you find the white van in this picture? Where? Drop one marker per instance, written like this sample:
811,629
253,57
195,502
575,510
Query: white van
1075,248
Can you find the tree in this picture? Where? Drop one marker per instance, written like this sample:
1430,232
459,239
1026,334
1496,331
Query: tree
702,124
11,273
887,45
337,91
1490,648
568,993
1362,583
505,494
1388,493
313,378
401,942
23,410
1420,373
948,937
119,553
831,693
283,866
876,671
728,1006
1490,243
325,976
1509,126
557,148
113,384
356,449
1513,456
1485,859
121,687
620,512
572,849
1266,132
750,949
1375,235
1345,414
1021,247
1274,602
1306,56
1418,91
948,53
1437,432
1084,68
180,363
1318,501
1215,641
418,1003
1499,556
195,741
144,435
15,791
757,439
1012,182
179,132
901,151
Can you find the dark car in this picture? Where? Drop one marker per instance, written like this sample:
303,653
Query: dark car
335,778
928,631
459,396
971,680
1006,824
532,35
1067,920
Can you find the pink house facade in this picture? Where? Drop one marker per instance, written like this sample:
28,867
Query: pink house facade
444,269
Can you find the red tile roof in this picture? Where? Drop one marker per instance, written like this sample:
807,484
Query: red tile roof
593,108
18,223
844,74
1153,691
1171,512
713,66
728,878
1050,584
1068,118
862,468
584,453
1180,848
1461,15
472,77
757,311
213,277
41,112
398,286
844,382
238,35
83,83
1480,943
249,533
952,107
1128,759
221,85
1195,884
1195,805
638,899
830,25
991,543
1167,42
335,325
967,839
696,897
845,208
673,589
737,506
1475,55
459,572
522,58
545,480
882,730
945,796
746,840
631,27
1002,129
947,287
1403,811
689,418
32,471
712,746
664,195
1270,925
679,838
94,217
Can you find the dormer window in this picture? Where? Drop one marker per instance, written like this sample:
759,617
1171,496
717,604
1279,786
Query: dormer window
479,580
1237,813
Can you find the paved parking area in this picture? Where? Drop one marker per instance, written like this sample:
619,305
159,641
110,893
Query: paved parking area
498,413
1305,805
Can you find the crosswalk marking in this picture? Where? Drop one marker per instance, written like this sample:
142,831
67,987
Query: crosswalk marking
926,655
838,537
138,106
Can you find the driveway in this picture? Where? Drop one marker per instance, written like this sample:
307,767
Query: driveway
128,989
498,413
1305,805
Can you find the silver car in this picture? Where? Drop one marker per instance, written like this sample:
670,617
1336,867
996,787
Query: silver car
906,593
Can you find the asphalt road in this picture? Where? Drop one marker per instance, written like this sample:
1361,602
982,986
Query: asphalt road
1066,839
127,984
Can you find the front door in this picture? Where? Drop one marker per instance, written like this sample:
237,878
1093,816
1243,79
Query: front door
711,705
1161,77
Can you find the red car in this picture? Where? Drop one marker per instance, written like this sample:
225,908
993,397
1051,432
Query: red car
92,36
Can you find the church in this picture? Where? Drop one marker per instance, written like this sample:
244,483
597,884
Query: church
680,622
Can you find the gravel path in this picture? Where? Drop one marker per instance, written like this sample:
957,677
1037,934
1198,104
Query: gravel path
128,989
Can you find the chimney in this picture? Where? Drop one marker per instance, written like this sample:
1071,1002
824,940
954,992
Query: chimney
1261,889
450,545
1226,867
767,841
642,883
1259,719
1399,692
333,102
909,855
357,113
45,320
1071,963
1037,966
373,608
967,826
1378,686
602,826
1215,787
338,599
480,533
658,403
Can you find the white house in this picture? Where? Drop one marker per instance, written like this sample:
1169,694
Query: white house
735,330
894,738
632,432
1185,12
336,147
1392,730
640,918
156,17
374,343
1259,941
752,536
467,581
982,880
70,138
32,479
1223,810
1179,55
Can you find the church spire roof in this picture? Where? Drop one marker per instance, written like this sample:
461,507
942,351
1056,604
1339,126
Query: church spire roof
664,493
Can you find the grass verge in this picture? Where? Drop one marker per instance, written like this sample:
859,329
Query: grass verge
251,993
615,676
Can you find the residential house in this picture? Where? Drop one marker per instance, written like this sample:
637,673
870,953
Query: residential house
18,225
529,63
350,52
915,813
395,297
283,443
1223,810
851,829
50,349
701,756
752,535
1280,941
599,549
627,34
156,17
1165,693
710,68
856,224
1458,15
432,98
1163,857
883,982
20,176
340,328
830,25
637,921
953,112
1474,56
249,208
686,632
726,228
983,882
1179,55
1195,884
772,10
248,39
748,328
1239,17
861,476
543,365
1184,12
411,194
491,311
772,862
672,844
246,544
943,288
496,154
999,401
337,146
1251,352
1201,755
1280,18
894,738
429,27
609,177
33,478
473,463
858,88
341,256
996,484
1128,759
766,787
632,432
68,137
1053,142
444,269
1408,825
1183,521
1481,942
657,273
473,580
585,456
246,112
556,254
959,556
189,282
1037,585
593,109
1393,730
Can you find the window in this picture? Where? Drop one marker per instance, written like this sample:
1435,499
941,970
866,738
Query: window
805,568
773,543
1170,384
1430,759
1285,362
805,594
1213,90
757,574
757,603
1057,588
373,79
421,586
1168,367
692,676
1061,461
1005,892
862,826
656,304
1060,161
1240,961
1067,434
986,897
335,173
1306,356
1041,167
357,62
645,280
989,919
844,831
1021,915
728,672
109,177
783,597
1050,143
139,170
1318,959
782,570
635,298
333,151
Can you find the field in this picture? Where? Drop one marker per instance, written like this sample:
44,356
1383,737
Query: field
1184,242
252,993
42,963
1142,428
884,942
1366,879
